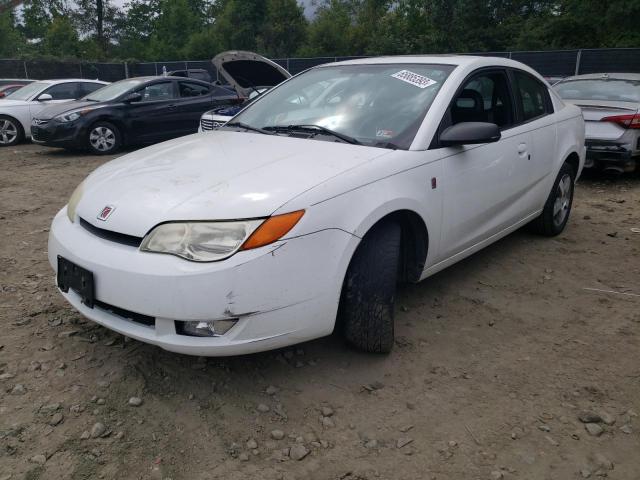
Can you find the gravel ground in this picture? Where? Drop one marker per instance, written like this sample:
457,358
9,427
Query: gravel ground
506,366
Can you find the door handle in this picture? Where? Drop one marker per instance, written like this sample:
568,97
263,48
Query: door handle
171,107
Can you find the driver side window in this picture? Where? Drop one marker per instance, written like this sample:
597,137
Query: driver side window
484,98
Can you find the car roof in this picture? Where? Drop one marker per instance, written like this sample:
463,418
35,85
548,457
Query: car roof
66,80
165,77
470,62
612,75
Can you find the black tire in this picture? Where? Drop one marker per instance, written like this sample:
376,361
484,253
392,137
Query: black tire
369,290
550,223
103,138
11,131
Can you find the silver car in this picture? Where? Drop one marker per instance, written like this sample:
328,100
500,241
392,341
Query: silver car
610,103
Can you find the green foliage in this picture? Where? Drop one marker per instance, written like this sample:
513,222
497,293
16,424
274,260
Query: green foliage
10,37
199,29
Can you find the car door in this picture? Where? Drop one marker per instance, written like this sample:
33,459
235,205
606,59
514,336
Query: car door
155,116
535,112
194,99
484,184
60,93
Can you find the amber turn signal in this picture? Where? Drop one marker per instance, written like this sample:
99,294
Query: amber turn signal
272,229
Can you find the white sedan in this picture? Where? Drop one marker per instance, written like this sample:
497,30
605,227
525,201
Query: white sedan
311,205
18,109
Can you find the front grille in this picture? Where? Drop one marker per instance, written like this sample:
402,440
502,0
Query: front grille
39,135
208,124
116,237
127,314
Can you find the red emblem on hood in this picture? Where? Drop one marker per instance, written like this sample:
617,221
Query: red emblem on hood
106,212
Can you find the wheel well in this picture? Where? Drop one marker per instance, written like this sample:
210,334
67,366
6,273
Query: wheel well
18,122
415,243
574,160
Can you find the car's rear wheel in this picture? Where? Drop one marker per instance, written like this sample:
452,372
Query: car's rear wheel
11,132
104,138
555,215
369,290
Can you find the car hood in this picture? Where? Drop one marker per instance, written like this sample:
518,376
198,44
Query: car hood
56,109
246,71
224,175
12,103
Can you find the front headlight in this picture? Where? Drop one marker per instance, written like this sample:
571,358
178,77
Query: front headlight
212,241
68,117
73,202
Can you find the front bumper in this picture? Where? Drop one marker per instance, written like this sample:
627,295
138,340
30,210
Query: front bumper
281,294
56,134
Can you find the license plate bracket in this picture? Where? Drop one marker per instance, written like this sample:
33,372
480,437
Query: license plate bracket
76,278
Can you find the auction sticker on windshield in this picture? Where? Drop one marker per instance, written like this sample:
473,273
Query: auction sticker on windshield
415,79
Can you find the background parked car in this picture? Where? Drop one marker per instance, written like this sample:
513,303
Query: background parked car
19,108
250,75
610,103
8,89
142,110
15,81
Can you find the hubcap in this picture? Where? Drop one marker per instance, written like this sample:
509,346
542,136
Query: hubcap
563,200
102,139
8,132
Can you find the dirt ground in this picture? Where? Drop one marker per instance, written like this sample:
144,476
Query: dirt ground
500,361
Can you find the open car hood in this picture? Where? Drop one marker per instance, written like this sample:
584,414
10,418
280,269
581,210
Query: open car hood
248,71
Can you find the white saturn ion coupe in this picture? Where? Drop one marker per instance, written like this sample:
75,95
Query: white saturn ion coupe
307,209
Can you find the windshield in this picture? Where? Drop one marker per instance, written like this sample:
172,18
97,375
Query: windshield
28,91
616,90
377,105
113,91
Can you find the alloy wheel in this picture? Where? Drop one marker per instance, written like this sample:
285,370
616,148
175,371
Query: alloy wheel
102,139
563,200
8,132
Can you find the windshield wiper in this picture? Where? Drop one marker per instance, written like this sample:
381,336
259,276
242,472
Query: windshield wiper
248,127
314,128
90,100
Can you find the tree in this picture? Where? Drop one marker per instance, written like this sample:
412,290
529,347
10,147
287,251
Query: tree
10,37
240,23
61,39
331,31
284,28
96,20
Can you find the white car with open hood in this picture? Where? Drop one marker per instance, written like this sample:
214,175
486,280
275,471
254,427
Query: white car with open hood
250,75
315,202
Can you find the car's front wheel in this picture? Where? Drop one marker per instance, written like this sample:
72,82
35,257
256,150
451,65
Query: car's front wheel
104,138
11,132
555,215
369,290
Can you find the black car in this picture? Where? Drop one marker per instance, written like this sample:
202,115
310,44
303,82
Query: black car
136,111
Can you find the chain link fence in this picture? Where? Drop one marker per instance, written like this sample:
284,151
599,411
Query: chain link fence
550,63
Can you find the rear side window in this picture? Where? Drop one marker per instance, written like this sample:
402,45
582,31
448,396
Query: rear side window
88,87
157,92
63,91
192,89
534,97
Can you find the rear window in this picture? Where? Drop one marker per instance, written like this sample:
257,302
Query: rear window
616,90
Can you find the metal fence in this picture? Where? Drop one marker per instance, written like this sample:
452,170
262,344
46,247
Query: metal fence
551,63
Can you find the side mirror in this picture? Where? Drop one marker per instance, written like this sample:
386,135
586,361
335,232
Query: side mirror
469,133
133,97
45,97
